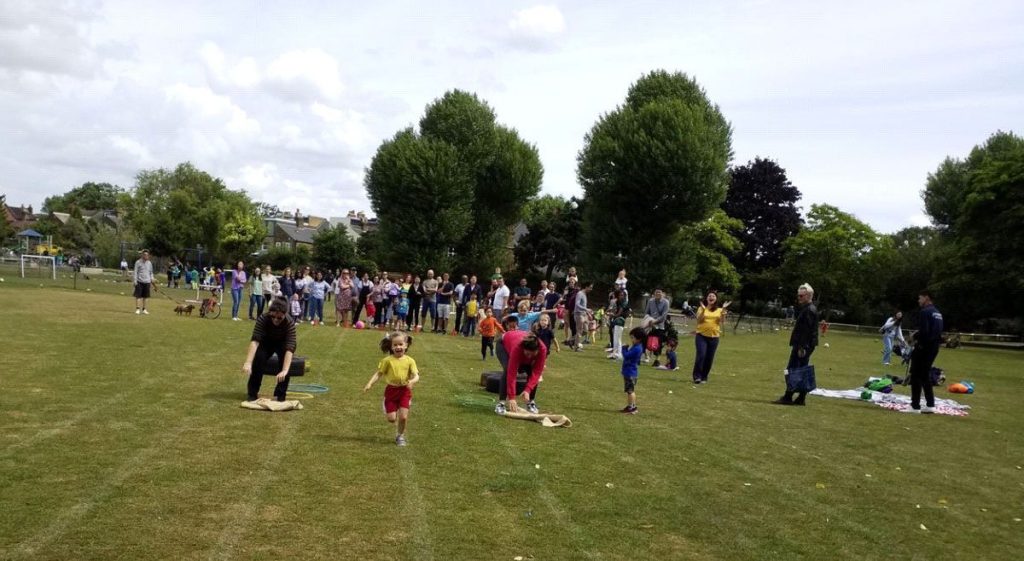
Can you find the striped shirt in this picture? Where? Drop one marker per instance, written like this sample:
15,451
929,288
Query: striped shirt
283,333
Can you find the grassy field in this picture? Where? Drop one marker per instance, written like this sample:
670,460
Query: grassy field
121,437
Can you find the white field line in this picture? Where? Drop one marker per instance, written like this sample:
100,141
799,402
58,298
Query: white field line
422,543
61,426
240,515
69,517
545,494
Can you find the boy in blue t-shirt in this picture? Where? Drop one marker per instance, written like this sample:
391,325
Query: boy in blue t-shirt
630,364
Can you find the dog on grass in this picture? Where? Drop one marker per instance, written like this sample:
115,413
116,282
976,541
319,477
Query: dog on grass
181,309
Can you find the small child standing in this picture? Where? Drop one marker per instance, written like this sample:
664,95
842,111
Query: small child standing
489,329
544,332
630,364
670,356
296,308
399,371
472,307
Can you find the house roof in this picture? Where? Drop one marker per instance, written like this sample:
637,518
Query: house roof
300,235
62,217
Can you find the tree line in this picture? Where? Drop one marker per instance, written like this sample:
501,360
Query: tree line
660,199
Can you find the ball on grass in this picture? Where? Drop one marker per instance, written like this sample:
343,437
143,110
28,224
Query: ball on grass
826,345
360,324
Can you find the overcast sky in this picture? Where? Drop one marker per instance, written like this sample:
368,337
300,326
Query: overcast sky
858,101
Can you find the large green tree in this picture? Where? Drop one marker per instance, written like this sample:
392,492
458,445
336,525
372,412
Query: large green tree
763,199
333,249
650,167
843,258
6,231
171,210
977,204
88,196
552,224
450,194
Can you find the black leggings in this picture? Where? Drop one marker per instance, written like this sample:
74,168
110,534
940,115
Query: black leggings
486,343
920,376
259,369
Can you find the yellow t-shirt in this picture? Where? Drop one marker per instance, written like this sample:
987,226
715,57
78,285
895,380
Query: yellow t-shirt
708,326
471,308
397,371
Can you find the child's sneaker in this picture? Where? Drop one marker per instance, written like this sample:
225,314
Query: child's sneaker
532,408
400,440
629,410
927,410
499,408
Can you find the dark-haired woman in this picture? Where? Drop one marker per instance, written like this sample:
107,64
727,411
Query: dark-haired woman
273,334
710,318
519,351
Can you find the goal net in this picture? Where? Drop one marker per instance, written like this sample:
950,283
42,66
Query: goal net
38,266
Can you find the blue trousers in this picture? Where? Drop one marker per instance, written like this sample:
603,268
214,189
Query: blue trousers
706,347
255,301
236,301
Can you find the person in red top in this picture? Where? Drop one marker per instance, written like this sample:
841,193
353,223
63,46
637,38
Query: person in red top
519,351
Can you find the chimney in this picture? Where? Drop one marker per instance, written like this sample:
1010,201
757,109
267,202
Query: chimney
30,209
298,219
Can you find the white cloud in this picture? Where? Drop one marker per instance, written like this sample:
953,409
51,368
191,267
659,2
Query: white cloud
537,27
306,75
259,176
134,148
204,103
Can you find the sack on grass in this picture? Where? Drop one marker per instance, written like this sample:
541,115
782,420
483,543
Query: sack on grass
549,420
264,404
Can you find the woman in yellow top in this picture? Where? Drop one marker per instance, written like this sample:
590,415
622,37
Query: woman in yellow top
710,318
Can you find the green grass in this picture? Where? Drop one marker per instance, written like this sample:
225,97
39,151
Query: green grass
121,437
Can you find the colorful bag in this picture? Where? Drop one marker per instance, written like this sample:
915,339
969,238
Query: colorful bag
653,343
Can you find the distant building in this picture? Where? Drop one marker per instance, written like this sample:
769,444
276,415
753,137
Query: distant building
292,231
19,218
356,223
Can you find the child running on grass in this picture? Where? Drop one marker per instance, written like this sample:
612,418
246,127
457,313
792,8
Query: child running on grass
630,363
399,371
489,328
670,356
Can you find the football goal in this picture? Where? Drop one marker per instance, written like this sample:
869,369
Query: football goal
39,266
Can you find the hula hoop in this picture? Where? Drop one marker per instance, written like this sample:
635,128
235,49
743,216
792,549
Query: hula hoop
308,388
299,395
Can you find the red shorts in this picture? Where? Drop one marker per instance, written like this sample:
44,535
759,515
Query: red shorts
395,397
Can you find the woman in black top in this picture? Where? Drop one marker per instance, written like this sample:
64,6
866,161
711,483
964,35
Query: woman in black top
273,334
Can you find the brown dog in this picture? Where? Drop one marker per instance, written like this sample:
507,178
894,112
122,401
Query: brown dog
188,310
179,309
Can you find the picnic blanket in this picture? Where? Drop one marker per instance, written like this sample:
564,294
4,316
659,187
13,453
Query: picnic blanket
547,419
894,401
264,404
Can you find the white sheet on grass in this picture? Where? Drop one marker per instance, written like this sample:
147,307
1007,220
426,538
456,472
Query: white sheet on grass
894,401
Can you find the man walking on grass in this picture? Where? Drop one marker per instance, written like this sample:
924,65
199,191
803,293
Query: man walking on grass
143,282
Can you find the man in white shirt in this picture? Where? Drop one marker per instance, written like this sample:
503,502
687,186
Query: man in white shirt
500,300
143,282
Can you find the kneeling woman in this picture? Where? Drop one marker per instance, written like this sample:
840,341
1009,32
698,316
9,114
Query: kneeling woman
519,351
274,334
